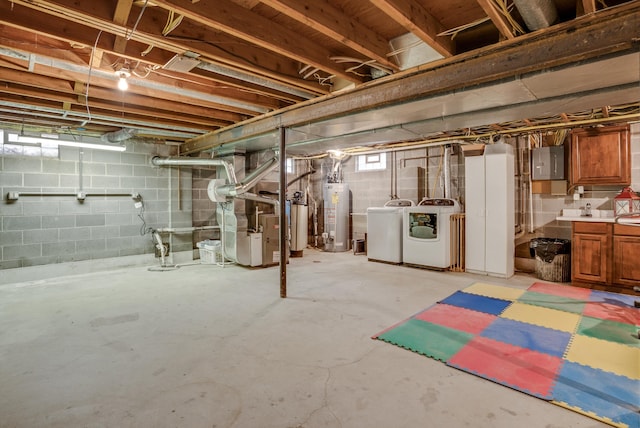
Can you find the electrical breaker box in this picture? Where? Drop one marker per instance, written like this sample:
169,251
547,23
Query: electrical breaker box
547,163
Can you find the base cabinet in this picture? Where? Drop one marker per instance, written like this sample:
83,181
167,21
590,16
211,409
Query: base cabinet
626,252
605,256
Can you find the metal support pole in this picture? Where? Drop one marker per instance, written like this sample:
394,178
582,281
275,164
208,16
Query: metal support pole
282,197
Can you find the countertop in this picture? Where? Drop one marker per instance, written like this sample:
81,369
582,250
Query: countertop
628,220
580,218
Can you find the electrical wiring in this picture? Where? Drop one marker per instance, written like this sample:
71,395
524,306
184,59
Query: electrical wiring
133,30
172,22
453,32
506,12
86,95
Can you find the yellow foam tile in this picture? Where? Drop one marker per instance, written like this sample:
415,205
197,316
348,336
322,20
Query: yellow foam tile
495,291
590,414
601,354
544,317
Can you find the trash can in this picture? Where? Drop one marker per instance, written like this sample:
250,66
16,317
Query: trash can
553,258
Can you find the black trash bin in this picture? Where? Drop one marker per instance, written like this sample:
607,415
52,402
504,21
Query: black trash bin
553,258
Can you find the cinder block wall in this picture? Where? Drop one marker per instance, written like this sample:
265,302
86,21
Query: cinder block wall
39,230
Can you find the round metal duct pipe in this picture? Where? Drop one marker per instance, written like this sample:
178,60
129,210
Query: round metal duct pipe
185,161
537,14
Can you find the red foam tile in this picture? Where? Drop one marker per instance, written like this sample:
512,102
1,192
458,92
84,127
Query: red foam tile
570,291
458,318
608,311
523,369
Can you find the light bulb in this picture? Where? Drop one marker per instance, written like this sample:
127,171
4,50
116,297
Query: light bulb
122,83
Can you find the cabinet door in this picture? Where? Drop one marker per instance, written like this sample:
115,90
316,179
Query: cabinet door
589,255
601,156
626,262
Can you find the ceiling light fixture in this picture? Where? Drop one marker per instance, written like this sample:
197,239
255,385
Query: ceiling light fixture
53,141
123,74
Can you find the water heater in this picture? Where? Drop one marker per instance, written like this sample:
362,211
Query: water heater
336,217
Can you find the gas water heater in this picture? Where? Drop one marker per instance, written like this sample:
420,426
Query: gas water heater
337,205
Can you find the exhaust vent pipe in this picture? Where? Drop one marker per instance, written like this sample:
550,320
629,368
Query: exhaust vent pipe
537,14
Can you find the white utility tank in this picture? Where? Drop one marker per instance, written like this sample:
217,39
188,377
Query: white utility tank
337,205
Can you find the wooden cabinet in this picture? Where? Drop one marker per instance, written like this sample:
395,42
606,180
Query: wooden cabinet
601,156
605,256
590,248
626,255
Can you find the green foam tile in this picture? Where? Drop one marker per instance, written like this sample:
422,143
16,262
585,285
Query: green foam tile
428,339
551,301
612,331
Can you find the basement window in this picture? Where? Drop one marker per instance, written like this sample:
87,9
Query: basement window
289,163
371,162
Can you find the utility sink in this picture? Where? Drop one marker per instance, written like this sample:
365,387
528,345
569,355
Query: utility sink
594,213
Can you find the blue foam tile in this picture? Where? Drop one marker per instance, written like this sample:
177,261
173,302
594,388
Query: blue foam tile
488,305
612,298
536,338
606,394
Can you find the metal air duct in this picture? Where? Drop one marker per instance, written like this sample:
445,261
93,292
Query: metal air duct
235,189
118,136
185,161
537,14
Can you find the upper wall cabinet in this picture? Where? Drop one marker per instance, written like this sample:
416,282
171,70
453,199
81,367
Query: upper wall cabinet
601,156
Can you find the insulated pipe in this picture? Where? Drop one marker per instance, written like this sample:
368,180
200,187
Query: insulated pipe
186,161
447,172
235,189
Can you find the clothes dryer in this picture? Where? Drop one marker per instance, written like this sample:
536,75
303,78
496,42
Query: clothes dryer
426,239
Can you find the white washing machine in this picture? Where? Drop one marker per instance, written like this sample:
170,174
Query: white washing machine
384,231
426,238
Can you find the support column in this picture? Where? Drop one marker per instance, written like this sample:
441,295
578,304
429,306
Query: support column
282,198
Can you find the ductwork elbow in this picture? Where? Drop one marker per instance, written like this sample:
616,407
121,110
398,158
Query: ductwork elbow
118,136
537,14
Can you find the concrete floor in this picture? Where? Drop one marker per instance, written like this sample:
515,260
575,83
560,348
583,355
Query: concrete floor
204,346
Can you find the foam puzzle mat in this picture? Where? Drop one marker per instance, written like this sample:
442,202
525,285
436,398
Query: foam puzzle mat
575,347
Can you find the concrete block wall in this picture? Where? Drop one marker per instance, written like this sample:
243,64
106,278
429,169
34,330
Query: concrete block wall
418,174
40,230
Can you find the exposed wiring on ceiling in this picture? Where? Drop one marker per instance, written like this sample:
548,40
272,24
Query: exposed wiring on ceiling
360,63
86,94
147,50
308,71
505,10
144,6
404,48
453,32
173,22
532,128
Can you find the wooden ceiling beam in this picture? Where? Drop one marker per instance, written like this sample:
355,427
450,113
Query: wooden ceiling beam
501,23
602,34
36,16
333,23
589,6
246,25
42,75
417,20
113,115
120,17
152,113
